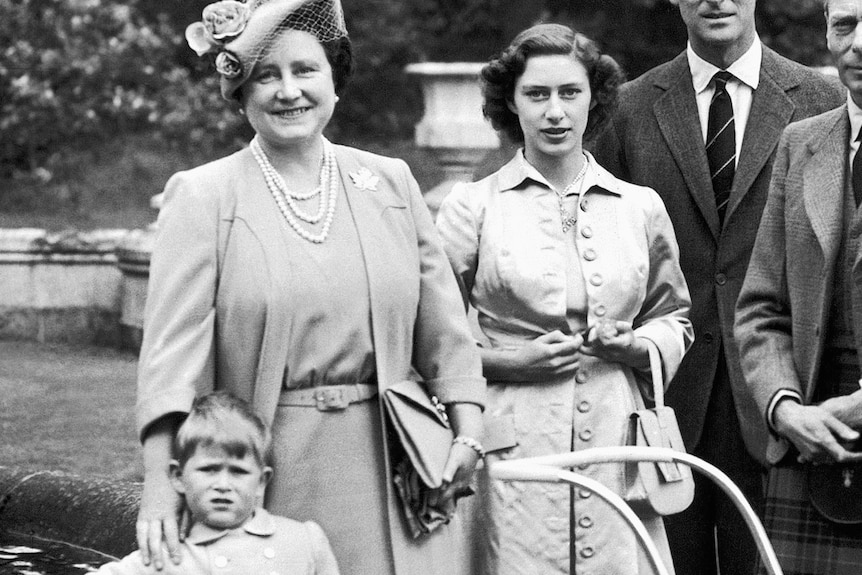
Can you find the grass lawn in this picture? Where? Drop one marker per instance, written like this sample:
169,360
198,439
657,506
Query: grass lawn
68,408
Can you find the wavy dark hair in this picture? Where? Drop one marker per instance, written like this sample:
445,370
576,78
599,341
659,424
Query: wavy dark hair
501,73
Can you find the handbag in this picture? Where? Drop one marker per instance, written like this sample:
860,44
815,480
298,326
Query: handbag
419,438
663,487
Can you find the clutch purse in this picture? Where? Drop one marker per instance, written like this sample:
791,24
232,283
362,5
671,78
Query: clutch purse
420,438
661,487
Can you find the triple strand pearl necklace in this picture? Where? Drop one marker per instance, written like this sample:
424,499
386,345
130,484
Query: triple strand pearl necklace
286,199
568,220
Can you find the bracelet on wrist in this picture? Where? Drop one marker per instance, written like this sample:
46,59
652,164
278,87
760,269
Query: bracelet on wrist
471,443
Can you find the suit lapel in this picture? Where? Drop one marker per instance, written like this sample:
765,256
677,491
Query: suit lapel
823,181
771,111
678,120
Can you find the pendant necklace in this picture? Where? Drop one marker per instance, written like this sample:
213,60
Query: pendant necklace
568,220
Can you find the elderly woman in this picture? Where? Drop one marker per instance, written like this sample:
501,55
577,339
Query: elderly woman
307,278
571,272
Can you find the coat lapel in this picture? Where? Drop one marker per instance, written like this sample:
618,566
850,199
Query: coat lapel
771,111
676,113
823,181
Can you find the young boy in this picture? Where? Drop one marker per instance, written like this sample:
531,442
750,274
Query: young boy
221,450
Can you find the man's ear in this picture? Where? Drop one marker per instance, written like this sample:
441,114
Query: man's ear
175,471
266,475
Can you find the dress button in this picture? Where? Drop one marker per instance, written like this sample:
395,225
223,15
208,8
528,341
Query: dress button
586,435
587,232
581,377
220,561
585,493
586,522
596,279
587,552
584,466
601,311
590,254
269,553
584,205
720,279
584,406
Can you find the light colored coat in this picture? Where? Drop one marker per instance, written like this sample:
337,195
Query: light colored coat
219,314
507,246
783,309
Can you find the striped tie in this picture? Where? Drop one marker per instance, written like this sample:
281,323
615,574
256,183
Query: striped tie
721,143
857,172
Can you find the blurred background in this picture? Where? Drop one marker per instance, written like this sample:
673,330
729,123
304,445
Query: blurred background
101,100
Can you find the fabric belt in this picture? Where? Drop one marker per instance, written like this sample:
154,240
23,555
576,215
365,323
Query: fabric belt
329,397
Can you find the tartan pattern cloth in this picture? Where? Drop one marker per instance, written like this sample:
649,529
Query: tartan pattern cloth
805,542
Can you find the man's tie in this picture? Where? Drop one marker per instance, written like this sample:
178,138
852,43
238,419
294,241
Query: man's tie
857,171
721,143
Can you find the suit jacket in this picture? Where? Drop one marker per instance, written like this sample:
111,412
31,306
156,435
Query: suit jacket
218,311
655,140
785,301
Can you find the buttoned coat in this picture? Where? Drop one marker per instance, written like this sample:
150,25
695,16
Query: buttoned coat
784,305
656,140
507,246
218,311
265,544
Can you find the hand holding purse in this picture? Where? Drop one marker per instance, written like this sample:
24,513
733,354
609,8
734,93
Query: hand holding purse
663,487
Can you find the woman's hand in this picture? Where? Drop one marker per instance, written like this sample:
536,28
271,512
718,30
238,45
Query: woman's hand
549,356
615,341
158,521
466,420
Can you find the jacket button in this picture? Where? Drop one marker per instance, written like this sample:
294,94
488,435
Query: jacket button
596,279
587,232
601,311
220,561
584,205
708,337
720,279
584,406
269,553
587,552
586,522
585,435
581,377
590,254
585,493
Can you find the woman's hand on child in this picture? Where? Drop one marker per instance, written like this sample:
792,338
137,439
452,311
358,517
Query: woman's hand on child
158,522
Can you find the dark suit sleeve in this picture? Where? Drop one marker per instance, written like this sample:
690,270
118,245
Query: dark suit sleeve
609,151
763,316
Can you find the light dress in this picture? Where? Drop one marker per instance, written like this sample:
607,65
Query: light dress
525,278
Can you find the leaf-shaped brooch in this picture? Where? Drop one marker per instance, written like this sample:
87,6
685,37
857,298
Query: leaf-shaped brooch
365,179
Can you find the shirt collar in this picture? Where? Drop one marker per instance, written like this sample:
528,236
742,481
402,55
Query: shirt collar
746,68
855,113
260,524
518,170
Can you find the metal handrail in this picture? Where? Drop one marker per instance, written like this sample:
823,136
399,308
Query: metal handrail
547,468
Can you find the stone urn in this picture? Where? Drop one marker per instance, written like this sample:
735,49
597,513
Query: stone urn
453,126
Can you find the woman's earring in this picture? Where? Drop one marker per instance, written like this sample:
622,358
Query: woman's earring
242,111
337,99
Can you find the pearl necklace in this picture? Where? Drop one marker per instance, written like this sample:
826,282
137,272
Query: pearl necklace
568,220
286,200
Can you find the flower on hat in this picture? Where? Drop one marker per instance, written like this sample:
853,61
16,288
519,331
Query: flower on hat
228,65
222,21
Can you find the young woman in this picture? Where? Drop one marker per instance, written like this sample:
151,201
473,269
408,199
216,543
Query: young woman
571,271
306,278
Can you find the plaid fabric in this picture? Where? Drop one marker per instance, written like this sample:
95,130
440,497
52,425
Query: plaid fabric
805,542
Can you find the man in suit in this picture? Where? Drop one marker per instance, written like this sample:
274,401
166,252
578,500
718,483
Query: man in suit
799,323
705,141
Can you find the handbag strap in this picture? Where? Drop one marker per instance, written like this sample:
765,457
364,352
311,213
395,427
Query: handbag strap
656,376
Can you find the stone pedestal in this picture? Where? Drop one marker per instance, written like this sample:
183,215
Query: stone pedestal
453,126
133,260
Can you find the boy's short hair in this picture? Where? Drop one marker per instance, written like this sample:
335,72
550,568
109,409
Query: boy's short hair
221,419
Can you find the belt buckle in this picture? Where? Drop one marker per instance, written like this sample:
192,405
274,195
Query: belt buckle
331,399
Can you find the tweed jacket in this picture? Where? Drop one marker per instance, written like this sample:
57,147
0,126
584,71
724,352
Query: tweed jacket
781,318
655,140
218,313
264,544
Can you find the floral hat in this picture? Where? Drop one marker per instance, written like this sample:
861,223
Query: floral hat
240,33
